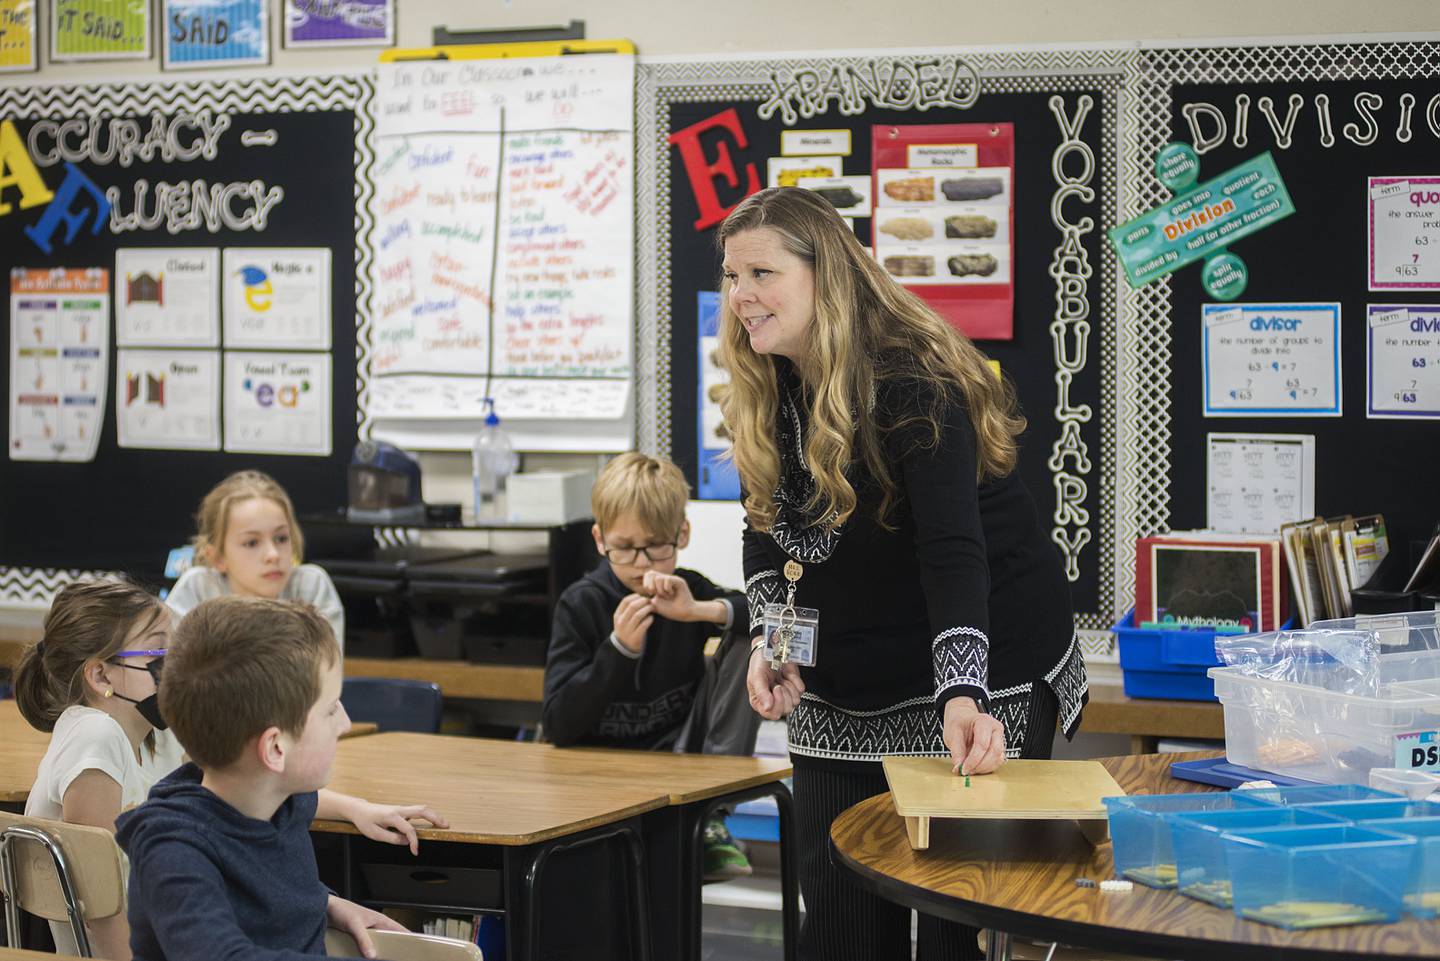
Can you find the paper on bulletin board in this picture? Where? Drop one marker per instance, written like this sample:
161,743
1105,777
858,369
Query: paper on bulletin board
1404,233
1203,220
168,399
325,23
277,297
99,30
59,351
277,403
944,197
505,232
1271,359
167,297
1256,482
18,48
215,33
1402,361
718,479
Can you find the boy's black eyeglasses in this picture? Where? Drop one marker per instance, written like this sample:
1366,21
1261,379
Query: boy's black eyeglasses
629,555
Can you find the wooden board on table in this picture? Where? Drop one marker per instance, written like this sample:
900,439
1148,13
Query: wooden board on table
926,787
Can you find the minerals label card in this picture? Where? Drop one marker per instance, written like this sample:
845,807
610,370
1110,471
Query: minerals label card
1404,235
1402,361
1271,359
59,344
167,297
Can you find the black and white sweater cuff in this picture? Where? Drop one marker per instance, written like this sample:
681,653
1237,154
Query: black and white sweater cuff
763,588
961,659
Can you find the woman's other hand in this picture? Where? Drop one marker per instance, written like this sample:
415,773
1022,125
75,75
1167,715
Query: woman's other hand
976,741
773,694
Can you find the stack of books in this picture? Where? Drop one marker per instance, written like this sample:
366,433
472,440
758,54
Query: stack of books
1330,557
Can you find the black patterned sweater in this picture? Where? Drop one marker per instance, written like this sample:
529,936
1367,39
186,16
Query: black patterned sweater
597,694
966,596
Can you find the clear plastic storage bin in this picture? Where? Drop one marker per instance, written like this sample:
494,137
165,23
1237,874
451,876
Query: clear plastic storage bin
1423,896
1141,834
1358,812
1415,785
1320,794
1198,837
1319,735
1320,876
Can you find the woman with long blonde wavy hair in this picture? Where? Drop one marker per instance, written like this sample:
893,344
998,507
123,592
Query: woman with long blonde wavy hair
877,452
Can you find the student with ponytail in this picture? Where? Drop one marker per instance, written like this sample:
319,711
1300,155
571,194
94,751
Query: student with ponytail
92,682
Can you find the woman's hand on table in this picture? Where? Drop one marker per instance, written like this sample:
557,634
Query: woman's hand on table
773,694
976,741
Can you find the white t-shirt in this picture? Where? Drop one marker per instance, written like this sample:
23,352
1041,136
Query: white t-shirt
308,583
86,739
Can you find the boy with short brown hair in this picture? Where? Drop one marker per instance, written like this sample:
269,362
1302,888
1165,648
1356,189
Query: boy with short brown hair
221,862
626,666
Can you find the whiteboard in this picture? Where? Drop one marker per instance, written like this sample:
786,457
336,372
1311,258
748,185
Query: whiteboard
504,238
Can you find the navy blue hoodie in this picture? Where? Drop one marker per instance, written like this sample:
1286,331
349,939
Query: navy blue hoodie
208,883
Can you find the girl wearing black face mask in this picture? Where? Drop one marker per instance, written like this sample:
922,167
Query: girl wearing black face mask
92,682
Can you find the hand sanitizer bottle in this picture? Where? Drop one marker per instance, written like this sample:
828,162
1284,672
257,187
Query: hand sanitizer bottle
492,463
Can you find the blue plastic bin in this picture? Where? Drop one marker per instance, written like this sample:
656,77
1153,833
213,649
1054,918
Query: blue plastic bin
1359,812
1141,834
1169,664
1198,837
1320,876
1423,897
1321,794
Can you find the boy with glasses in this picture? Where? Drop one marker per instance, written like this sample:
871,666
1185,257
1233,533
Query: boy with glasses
626,666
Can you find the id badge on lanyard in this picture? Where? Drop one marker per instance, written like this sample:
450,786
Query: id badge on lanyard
791,633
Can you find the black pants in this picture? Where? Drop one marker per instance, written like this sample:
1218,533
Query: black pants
842,920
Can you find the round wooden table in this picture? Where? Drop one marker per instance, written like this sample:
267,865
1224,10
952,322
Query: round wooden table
1019,877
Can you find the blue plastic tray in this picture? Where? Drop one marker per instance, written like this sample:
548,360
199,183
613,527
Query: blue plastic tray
1221,773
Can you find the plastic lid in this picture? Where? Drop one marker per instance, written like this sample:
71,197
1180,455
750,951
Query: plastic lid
491,419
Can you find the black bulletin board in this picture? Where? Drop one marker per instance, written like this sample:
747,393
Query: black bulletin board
1319,255
1035,105
128,507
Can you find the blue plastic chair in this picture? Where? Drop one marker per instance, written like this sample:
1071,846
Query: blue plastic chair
393,703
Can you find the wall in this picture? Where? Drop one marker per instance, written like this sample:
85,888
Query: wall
756,26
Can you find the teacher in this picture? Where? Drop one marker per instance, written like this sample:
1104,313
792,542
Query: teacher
877,451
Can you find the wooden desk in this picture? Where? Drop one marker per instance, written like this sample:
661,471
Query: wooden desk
1019,877
1146,721
14,642
497,682
361,728
21,748
530,801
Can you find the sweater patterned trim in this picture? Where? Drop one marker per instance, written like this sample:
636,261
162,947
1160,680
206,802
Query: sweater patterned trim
961,656
764,588
820,729
797,534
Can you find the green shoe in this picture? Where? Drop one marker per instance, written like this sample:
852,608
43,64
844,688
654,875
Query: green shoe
723,858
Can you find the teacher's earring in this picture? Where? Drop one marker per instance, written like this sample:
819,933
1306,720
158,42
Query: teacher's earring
109,691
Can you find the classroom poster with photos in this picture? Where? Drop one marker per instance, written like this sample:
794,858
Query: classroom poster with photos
59,343
326,23
215,33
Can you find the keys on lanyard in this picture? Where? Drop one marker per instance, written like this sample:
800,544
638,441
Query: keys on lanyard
784,635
